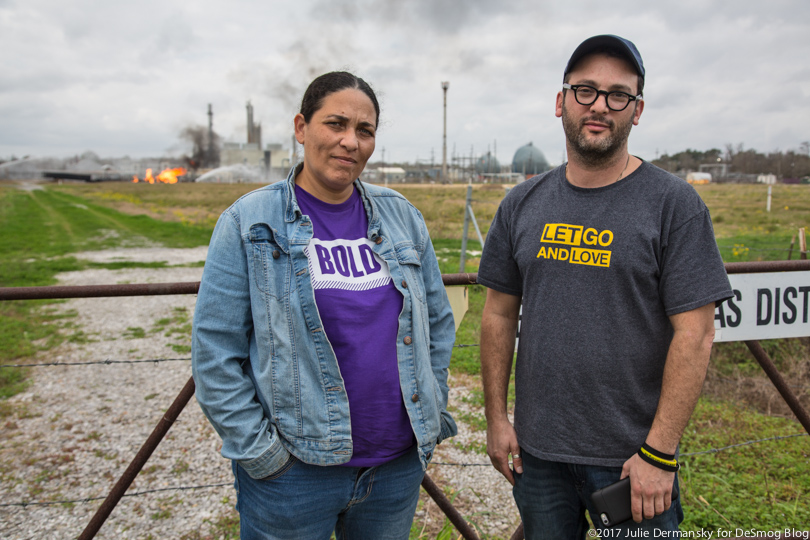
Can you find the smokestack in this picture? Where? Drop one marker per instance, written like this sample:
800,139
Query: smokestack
249,122
445,86
210,132
254,131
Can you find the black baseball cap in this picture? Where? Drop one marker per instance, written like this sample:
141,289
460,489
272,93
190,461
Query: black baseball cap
607,41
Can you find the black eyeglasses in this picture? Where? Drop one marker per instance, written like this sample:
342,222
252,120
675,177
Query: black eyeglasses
587,95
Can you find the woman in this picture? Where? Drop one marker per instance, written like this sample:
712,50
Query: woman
322,336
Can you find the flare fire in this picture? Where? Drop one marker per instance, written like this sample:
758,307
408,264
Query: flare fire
166,176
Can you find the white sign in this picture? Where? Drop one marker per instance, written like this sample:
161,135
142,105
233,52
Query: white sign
765,306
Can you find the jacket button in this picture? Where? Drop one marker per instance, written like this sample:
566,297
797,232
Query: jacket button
276,254
404,284
415,398
407,340
378,240
428,456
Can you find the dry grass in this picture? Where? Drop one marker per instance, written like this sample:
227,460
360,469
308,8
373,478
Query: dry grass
198,204
734,380
740,209
201,204
737,209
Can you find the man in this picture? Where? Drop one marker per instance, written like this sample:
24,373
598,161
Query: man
618,272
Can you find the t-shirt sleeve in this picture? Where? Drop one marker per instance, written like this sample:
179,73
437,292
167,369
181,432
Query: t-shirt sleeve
692,273
498,268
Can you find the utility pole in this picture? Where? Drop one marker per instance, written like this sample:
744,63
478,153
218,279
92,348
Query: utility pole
445,86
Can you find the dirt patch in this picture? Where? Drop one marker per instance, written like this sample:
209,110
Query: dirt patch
74,431
69,437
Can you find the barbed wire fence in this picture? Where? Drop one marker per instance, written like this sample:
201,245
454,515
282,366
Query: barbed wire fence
108,361
26,504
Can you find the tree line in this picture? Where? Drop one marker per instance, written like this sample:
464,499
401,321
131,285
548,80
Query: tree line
740,161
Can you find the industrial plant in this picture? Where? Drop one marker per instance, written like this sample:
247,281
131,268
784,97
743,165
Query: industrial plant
251,161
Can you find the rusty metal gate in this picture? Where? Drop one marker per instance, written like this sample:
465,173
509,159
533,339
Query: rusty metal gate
434,491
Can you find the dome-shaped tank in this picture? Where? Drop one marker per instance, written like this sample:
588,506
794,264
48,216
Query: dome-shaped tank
487,164
529,160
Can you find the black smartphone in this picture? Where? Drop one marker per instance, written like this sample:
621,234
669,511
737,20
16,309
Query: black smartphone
612,503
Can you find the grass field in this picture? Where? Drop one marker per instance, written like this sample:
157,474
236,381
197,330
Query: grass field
741,221
763,486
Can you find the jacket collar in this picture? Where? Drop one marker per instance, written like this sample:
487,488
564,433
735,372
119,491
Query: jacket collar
291,209
293,212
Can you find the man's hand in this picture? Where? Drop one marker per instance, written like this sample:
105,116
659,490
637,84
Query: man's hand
650,488
502,441
684,371
499,323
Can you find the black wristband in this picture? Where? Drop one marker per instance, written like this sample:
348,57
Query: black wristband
657,453
669,465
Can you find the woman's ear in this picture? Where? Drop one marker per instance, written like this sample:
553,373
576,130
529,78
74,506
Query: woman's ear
300,127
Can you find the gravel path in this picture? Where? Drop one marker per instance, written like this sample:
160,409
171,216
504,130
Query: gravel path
76,428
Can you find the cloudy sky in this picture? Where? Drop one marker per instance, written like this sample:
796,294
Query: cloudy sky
125,78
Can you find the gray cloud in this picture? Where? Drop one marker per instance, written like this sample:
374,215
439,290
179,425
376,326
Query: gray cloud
126,78
435,15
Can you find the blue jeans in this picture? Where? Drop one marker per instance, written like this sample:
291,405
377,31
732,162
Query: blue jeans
552,498
308,502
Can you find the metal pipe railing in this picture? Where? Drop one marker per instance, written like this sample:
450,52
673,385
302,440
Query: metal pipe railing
192,287
146,289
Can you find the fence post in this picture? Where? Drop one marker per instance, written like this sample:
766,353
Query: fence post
138,462
475,224
466,229
449,510
790,250
518,534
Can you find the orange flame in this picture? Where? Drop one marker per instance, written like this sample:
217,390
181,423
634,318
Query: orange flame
166,176
169,176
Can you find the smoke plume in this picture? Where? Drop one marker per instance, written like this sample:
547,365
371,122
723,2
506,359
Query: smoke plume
205,149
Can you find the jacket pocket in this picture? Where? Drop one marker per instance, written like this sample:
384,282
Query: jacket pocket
270,262
411,265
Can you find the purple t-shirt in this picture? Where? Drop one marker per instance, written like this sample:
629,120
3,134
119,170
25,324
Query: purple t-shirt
359,307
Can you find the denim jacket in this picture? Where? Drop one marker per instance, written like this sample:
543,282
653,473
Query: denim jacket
266,375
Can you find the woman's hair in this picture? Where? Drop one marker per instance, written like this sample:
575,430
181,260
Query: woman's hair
332,82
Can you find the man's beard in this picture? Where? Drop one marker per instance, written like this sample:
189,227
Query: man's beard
597,153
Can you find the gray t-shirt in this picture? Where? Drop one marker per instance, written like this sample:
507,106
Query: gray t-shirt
599,271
